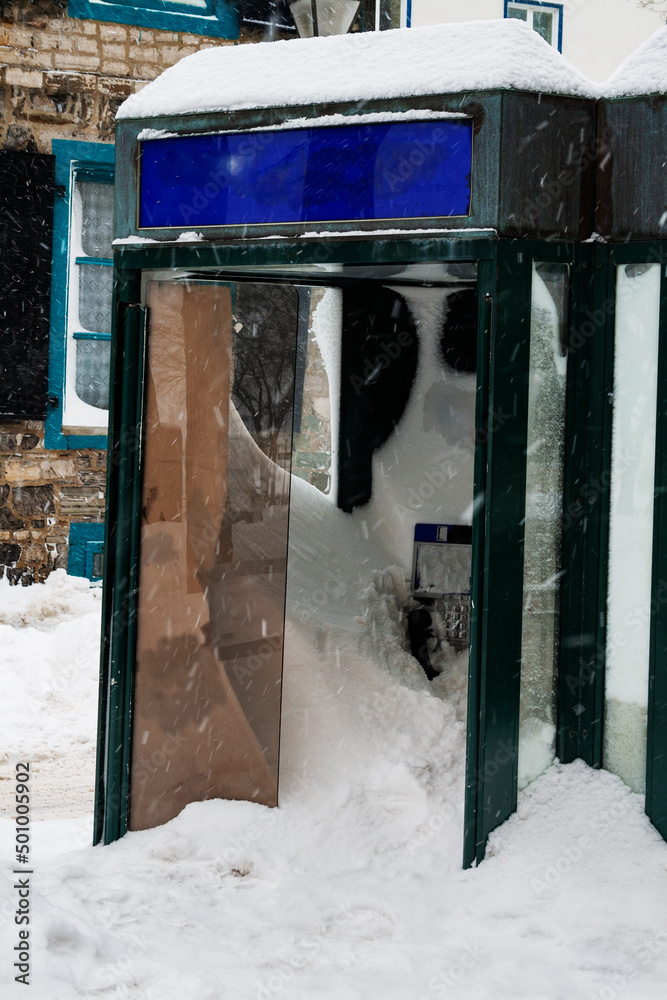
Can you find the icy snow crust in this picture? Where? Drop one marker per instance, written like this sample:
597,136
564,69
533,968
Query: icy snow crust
365,66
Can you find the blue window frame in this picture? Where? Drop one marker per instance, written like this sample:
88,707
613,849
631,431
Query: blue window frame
80,295
545,18
216,18
86,551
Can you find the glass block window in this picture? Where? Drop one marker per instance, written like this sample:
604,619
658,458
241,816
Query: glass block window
97,217
90,297
544,18
93,358
95,292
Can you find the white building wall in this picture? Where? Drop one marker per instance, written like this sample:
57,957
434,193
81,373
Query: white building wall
597,34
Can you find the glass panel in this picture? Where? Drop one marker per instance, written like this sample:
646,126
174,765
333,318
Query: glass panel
522,15
96,218
215,500
93,359
95,297
317,389
390,14
543,24
543,520
631,521
380,171
98,565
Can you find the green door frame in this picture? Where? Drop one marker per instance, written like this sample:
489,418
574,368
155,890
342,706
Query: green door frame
495,671
125,446
504,281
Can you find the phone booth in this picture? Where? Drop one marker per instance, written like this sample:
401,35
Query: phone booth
441,234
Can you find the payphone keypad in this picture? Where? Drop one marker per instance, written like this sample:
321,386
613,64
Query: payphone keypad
455,613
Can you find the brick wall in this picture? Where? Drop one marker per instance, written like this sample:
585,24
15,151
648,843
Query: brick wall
41,493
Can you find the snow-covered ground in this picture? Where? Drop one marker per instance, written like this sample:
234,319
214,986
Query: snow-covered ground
353,888
49,658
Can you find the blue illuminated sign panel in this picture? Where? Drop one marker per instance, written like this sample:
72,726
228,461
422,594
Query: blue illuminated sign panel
381,171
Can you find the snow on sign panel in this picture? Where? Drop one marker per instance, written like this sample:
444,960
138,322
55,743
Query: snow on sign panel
399,170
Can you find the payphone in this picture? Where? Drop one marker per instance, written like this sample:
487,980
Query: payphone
441,568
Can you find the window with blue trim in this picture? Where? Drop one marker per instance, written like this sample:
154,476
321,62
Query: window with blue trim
392,14
544,18
90,298
216,18
86,551
82,295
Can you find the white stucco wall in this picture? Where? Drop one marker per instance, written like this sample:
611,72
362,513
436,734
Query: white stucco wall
597,34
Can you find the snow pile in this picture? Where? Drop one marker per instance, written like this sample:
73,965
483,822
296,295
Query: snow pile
49,657
643,72
352,889
46,605
365,66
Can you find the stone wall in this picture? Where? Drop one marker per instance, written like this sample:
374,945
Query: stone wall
64,78
41,493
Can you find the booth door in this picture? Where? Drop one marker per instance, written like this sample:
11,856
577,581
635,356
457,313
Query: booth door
213,544
518,558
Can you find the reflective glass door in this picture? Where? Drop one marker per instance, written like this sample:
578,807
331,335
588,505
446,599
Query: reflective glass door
213,549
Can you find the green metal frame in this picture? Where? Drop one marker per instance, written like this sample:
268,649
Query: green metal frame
586,508
563,135
124,478
588,474
121,565
504,279
495,666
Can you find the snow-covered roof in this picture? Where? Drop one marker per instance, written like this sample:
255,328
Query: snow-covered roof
643,72
438,59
